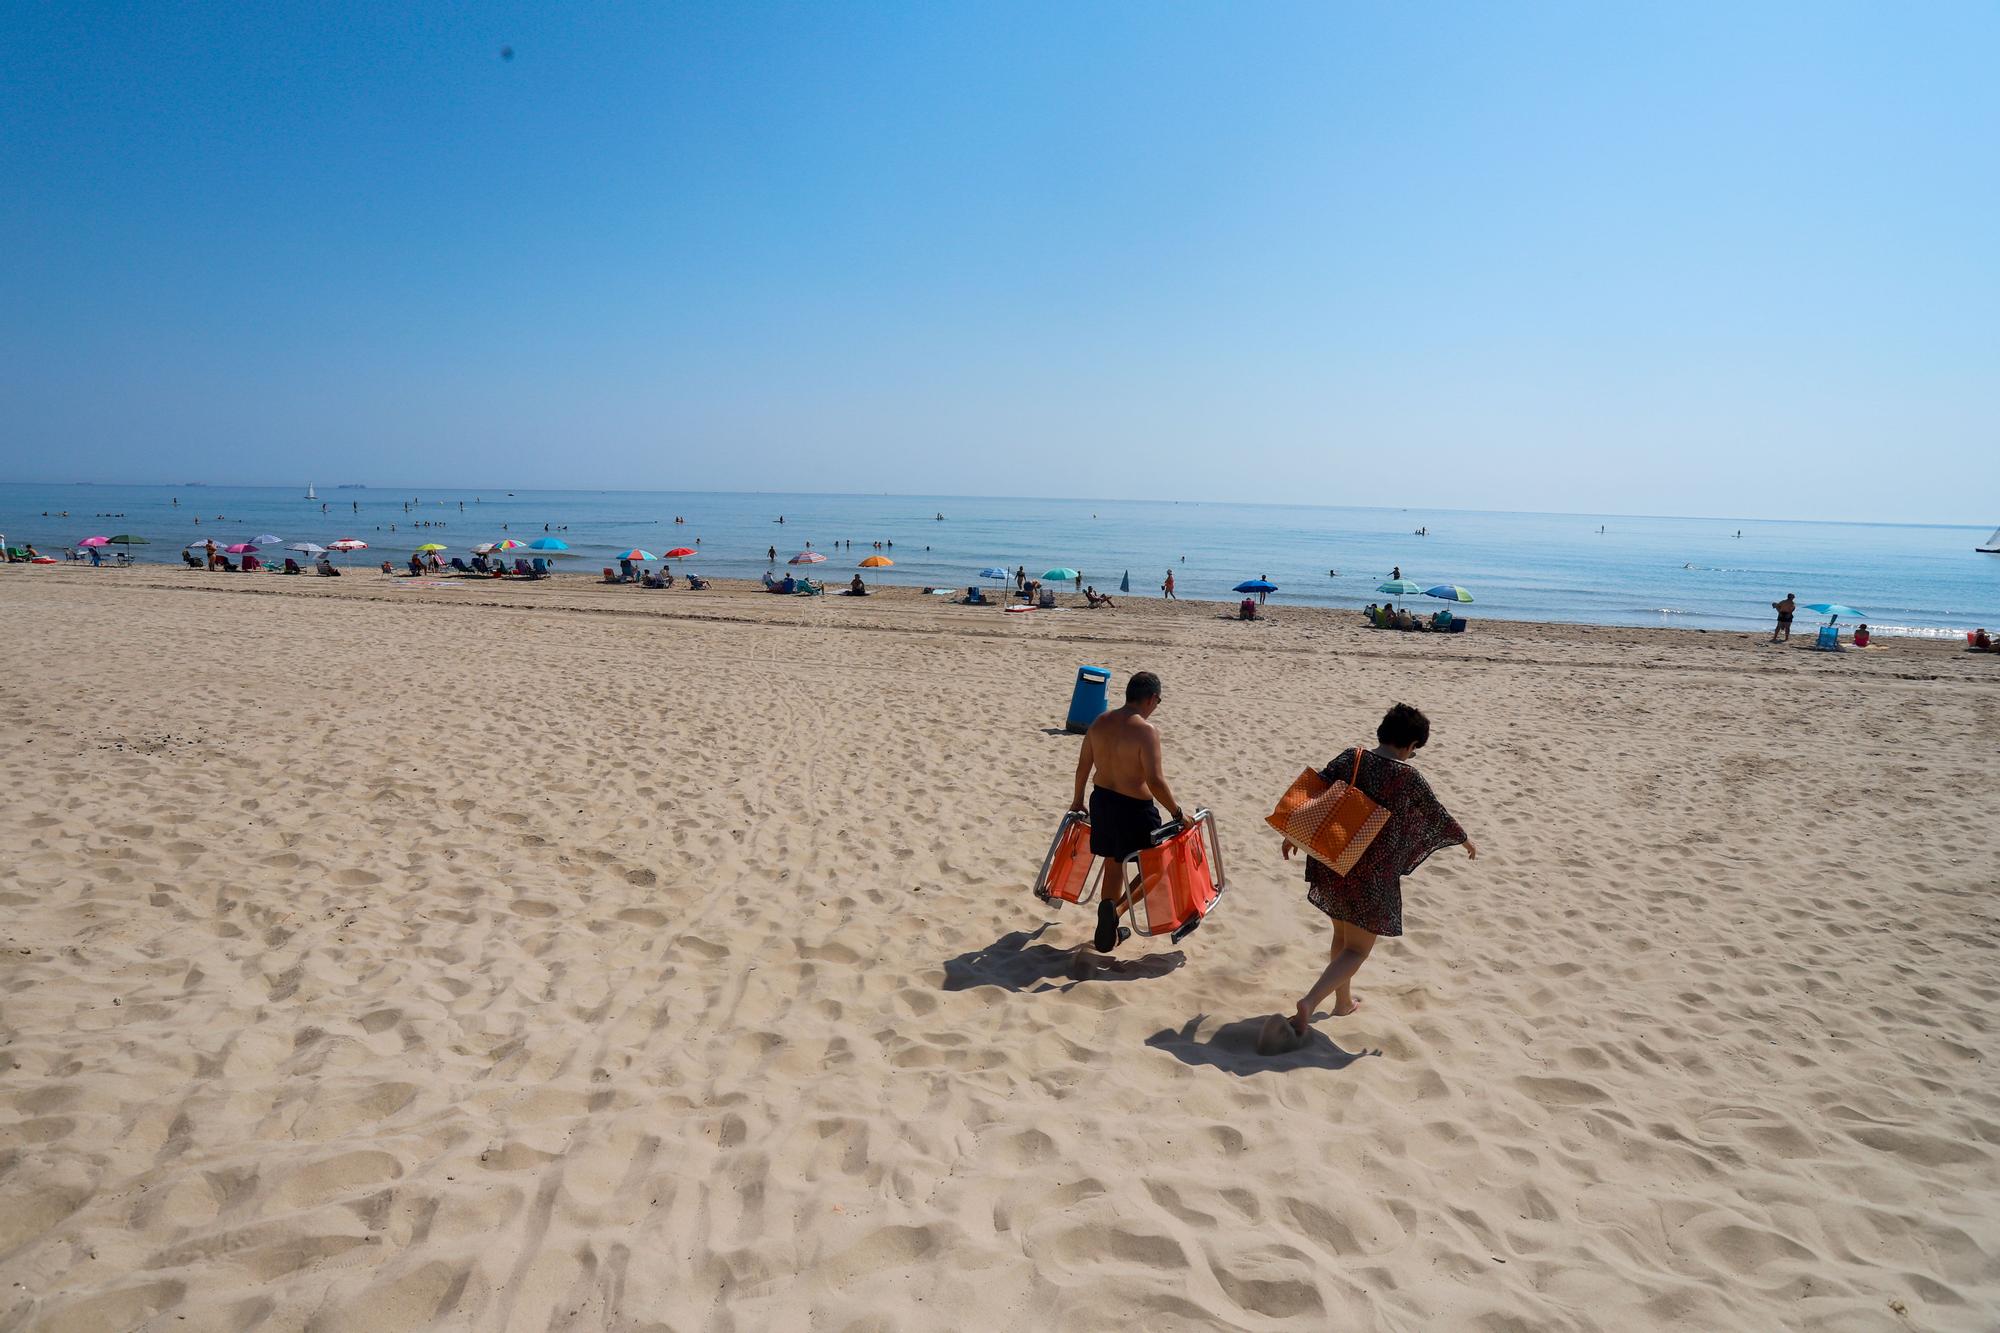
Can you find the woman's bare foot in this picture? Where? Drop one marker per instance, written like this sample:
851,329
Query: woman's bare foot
1302,1019
1342,1008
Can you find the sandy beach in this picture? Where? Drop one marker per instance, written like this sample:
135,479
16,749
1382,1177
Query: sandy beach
390,954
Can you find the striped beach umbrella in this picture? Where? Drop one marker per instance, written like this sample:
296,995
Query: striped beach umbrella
1448,592
637,556
806,558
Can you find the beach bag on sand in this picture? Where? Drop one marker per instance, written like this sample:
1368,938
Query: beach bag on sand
1335,822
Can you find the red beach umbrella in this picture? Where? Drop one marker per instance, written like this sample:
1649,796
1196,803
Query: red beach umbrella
681,553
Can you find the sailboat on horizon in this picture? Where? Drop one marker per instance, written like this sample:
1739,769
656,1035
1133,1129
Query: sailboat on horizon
312,493
1992,546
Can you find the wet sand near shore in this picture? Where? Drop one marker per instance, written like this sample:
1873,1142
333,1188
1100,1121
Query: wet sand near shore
390,953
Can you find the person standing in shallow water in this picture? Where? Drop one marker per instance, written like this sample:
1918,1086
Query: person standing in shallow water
1367,902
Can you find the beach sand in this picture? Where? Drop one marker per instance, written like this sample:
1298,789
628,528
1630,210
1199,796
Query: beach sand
381,954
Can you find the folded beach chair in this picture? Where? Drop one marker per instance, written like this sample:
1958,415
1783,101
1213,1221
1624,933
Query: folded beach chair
1065,875
1180,878
1180,875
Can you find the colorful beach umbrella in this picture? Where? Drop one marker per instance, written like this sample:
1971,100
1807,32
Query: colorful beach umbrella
548,544
682,553
636,556
1062,573
1448,592
1256,585
876,562
806,558
241,548
95,541
1400,588
509,545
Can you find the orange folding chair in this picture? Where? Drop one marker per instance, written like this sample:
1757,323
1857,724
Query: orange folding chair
1065,876
1180,879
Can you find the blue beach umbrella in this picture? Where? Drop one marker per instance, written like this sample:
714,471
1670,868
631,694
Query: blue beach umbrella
995,572
1256,585
1062,573
1448,592
1834,611
1400,588
548,544
1125,584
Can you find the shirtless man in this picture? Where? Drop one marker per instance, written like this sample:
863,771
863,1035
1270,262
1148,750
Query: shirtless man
1124,748
1785,609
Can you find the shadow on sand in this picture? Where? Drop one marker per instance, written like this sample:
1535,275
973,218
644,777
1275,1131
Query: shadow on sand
1017,962
1237,1047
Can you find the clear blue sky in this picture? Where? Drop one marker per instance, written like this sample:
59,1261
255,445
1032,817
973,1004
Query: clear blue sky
1658,258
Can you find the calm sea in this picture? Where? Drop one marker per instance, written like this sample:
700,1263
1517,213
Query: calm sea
1597,569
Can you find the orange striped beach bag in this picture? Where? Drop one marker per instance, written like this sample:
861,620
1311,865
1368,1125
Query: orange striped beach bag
1334,821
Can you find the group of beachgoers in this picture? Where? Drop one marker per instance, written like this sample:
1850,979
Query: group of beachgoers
1121,762
1390,616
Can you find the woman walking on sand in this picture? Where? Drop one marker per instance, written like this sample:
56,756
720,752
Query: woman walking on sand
1367,902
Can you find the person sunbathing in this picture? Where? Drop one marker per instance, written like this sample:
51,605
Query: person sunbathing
1096,598
1404,620
1862,637
696,582
856,588
1981,642
326,569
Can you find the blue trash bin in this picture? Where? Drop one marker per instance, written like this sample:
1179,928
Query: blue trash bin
1087,702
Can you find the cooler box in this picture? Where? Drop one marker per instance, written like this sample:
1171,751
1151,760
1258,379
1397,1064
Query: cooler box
1087,702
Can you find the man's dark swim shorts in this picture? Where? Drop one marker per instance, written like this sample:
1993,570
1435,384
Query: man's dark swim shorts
1120,825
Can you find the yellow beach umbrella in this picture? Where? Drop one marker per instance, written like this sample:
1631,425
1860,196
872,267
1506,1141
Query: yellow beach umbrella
877,562
433,546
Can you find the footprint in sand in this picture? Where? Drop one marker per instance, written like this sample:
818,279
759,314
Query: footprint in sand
642,916
534,907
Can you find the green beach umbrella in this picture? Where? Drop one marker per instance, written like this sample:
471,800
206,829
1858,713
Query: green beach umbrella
1400,588
1448,592
1064,574
127,539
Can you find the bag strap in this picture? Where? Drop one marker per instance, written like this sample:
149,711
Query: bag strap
1355,781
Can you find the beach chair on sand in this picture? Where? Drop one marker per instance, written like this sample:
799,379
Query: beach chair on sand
292,566
807,588
541,568
459,565
1180,876
1048,601
521,568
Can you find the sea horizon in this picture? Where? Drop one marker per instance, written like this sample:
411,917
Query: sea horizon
1589,568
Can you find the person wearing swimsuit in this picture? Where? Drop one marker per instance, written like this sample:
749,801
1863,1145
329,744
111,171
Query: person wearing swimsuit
1123,748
